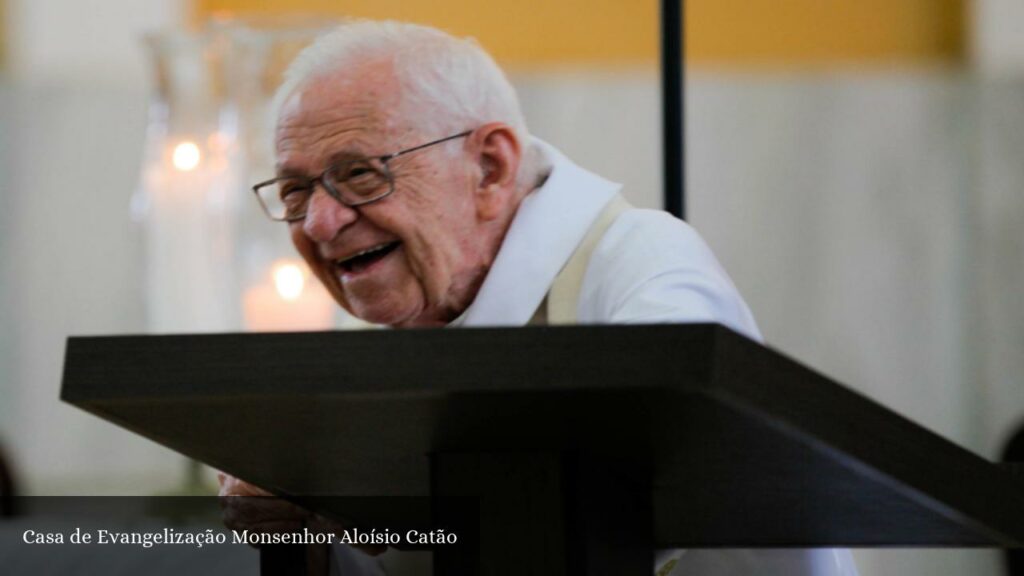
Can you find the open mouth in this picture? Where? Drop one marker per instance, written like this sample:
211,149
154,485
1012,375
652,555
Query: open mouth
363,260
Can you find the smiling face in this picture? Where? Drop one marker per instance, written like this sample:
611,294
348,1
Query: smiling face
414,258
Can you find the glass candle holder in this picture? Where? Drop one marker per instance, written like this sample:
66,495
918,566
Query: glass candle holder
189,193
209,137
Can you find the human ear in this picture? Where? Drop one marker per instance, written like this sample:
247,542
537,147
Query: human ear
498,153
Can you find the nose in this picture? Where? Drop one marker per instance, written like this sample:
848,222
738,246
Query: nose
326,217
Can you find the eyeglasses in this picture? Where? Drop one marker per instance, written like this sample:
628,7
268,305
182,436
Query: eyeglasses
355,182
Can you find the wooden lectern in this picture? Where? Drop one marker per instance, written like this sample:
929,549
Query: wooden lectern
584,448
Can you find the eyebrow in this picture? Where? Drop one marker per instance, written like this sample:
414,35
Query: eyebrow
288,171
335,158
345,155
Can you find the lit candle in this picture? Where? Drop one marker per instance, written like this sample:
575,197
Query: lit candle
289,302
186,156
190,232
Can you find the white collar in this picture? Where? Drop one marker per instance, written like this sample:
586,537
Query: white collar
550,222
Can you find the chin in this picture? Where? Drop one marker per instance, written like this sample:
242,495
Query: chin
383,312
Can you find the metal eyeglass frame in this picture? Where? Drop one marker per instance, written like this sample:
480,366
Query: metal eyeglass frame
333,193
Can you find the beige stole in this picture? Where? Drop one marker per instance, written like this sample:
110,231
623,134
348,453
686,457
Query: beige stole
560,304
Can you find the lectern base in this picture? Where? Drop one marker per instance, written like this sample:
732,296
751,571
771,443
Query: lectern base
284,560
542,514
526,514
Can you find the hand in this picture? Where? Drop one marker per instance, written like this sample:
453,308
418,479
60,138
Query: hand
258,510
262,512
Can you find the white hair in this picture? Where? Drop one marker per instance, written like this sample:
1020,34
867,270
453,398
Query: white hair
448,84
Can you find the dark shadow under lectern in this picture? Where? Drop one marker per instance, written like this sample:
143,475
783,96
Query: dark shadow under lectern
585,447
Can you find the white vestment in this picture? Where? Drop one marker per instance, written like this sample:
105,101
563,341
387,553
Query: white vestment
646,267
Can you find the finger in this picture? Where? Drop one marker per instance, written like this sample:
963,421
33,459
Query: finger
243,488
231,486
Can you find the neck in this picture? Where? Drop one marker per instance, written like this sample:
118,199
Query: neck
534,173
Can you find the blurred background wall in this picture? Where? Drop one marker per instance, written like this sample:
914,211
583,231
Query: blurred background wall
855,165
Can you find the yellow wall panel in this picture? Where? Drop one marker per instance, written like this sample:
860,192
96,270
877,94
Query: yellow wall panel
729,32
516,33
809,31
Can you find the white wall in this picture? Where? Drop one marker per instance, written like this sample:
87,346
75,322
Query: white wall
997,266
997,44
998,213
72,120
838,203
85,41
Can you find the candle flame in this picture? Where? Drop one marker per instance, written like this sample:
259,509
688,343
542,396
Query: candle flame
289,281
186,156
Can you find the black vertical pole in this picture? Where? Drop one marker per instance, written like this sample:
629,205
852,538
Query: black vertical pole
672,106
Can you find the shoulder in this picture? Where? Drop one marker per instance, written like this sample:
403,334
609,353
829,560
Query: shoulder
662,239
652,267
641,243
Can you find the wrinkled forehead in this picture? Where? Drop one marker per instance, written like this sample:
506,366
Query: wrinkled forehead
364,97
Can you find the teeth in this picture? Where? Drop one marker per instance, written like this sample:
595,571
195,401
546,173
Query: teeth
365,252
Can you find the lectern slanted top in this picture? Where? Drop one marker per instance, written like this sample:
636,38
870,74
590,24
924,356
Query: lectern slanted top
737,444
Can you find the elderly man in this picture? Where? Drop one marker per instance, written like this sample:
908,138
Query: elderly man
411,187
